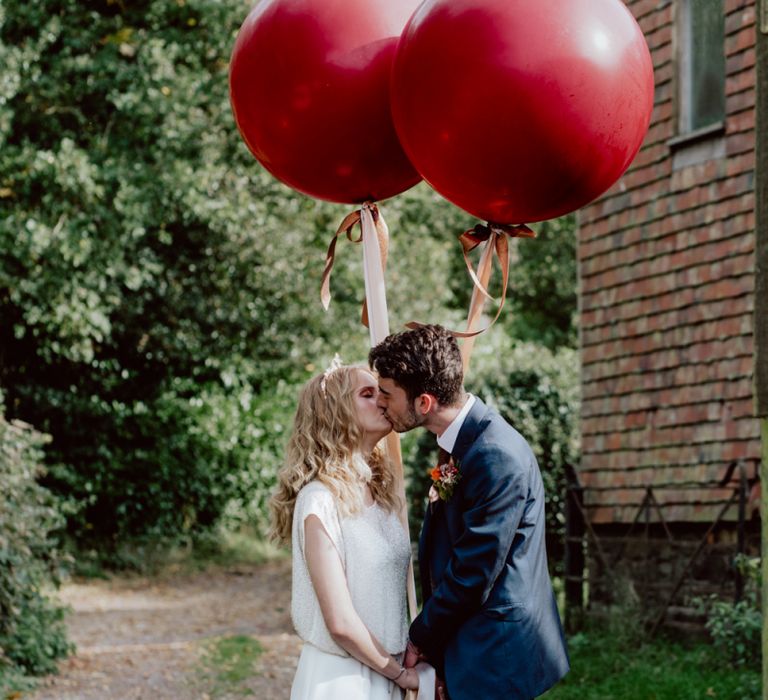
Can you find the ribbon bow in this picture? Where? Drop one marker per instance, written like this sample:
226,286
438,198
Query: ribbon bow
496,235
369,209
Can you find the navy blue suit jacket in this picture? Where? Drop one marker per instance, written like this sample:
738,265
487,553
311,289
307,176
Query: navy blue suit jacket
489,621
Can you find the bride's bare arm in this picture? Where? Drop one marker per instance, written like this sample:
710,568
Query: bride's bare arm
341,618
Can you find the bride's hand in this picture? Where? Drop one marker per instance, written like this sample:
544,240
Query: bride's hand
409,680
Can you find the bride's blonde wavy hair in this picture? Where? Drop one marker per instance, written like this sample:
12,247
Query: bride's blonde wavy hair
325,445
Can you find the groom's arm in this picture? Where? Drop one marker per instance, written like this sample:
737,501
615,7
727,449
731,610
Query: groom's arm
495,489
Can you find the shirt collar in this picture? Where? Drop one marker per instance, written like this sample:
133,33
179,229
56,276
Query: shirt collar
448,439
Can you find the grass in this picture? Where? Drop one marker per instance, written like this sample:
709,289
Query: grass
226,549
228,663
219,549
617,665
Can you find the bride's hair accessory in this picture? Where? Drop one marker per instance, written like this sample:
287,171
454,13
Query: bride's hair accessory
335,364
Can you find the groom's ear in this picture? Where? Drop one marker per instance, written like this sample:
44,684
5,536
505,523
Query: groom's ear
425,403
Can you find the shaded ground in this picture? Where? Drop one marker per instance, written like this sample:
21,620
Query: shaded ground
148,638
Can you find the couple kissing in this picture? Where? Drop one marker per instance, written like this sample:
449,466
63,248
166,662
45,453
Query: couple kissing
489,626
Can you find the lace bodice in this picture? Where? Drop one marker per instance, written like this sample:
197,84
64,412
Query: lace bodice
374,551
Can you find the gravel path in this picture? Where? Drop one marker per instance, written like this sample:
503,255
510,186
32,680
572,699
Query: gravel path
145,638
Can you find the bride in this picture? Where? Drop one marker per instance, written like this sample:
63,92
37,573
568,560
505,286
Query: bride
336,502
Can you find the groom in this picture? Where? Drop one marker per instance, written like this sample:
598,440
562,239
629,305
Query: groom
489,622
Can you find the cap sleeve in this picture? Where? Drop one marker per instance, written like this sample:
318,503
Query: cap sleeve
316,499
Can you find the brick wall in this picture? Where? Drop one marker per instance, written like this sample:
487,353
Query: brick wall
666,262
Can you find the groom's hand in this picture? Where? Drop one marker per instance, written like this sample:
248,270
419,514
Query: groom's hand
412,655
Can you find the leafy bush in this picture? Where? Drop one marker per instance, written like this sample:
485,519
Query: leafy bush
736,627
32,634
173,470
160,472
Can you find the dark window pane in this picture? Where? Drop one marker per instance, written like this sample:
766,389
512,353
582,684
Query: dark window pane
707,62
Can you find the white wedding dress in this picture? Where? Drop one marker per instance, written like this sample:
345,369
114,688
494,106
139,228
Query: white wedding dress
375,551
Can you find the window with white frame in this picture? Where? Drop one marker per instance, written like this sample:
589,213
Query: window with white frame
701,93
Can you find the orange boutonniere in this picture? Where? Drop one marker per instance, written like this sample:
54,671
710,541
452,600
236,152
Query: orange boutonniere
444,479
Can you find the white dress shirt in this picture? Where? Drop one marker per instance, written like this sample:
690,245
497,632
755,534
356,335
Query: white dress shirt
447,440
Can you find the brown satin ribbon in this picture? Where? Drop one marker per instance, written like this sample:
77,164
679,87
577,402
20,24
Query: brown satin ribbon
347,227
498,234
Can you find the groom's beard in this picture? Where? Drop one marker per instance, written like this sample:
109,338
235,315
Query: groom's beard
408,422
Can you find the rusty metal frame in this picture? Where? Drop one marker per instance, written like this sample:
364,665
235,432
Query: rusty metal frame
649,502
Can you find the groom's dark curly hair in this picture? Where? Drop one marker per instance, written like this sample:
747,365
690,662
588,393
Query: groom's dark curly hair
425,360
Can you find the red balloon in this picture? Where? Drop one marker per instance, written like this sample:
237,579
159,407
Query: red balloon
522,110
309,86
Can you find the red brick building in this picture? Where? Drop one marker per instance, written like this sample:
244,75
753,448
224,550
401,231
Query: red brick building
667,291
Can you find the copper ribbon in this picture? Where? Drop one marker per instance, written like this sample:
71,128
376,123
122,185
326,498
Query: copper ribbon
496,235
347,227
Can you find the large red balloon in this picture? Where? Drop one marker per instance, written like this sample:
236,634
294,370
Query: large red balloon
522,110
309,85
